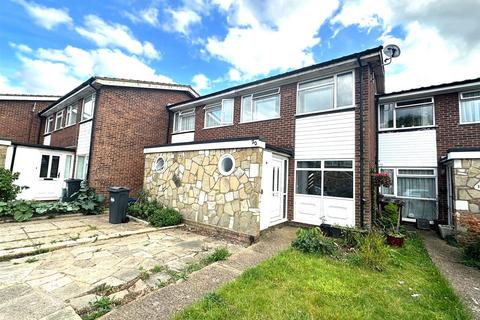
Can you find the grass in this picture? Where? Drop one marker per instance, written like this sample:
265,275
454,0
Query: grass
98,308
294,285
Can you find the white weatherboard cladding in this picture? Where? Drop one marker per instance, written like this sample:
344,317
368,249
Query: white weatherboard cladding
84,138
183,137
408,149
325,136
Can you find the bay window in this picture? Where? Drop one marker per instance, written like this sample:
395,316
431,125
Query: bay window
71,115
406,114
261,106
184,121
219,114
326,94
470,107
59,120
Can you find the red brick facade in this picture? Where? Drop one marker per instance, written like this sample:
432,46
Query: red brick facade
20,121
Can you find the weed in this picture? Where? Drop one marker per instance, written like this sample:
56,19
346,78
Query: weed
157,269
313,241
372,251
218,255
103,289
31,260
99,307
471,254
212,299
144,274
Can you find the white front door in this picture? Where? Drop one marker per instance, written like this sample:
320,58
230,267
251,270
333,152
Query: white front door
279,192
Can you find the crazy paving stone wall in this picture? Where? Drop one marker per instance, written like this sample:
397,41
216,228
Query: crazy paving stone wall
3,155
192,183
467,195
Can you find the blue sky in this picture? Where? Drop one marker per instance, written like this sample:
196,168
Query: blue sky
51,46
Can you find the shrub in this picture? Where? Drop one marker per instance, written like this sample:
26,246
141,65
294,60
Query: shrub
165,217
88,201
8,190
471,254
372,251
313,241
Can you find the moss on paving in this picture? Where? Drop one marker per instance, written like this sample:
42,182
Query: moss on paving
293,285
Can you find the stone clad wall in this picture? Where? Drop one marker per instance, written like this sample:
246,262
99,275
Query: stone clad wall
3,155
192,184
467,195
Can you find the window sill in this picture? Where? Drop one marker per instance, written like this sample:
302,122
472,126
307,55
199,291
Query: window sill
407,129
245,122
468,123
222,126
179,132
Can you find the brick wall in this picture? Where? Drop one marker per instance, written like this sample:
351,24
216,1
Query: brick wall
20,121
450,134
127,120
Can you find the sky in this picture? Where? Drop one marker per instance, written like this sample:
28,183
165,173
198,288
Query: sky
49,47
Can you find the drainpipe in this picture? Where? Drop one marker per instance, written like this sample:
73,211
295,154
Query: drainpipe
31,121
92,135
362,165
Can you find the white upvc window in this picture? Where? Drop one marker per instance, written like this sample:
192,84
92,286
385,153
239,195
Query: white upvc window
59,120
184,121
261,106
326,94
470,107
71,115
81,167
49,124
88,106
219,114
417,187
417,113
49,167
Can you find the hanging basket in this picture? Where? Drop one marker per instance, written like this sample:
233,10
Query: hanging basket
381,179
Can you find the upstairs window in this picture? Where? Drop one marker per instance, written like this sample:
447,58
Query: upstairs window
184,121
326,94
59,120
71,115
261,106
470,107
220,114
88,105
49,124
406,114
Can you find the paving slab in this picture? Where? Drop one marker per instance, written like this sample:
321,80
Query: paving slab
31,306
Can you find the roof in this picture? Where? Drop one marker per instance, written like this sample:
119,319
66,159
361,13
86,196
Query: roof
42,146
354,56
28,97
98,81
434,89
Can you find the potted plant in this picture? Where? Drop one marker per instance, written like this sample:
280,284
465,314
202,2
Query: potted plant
394,236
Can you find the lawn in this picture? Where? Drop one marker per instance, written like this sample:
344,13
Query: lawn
294,285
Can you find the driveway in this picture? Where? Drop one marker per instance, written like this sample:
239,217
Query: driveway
55,284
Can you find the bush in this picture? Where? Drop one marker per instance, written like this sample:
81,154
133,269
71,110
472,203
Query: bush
8,190
471,254
372,251
313,241
165,217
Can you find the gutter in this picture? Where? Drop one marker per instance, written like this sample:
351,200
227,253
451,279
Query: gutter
361,138
92,135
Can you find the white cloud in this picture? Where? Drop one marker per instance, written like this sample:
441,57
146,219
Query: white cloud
20,47
201,82
54,71
115,35
268,36
6,87
181,20
150,16
434,50
234,75
46,17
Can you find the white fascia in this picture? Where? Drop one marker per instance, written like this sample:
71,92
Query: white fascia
242,144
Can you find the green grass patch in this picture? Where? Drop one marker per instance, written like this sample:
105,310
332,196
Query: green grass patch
296,285
98,308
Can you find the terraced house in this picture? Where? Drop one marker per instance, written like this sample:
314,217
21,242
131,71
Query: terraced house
298,147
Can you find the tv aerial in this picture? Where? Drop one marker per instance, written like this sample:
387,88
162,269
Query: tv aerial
390,51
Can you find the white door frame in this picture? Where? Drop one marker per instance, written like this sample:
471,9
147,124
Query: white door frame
450,192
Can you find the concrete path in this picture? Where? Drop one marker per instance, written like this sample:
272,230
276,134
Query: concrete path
464,280
25,238
163,304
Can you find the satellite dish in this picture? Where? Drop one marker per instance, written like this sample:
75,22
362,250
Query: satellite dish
391,51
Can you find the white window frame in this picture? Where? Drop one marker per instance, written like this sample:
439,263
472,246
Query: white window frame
49,167
59,115
68,115
49,124
395,107
223,157
92,97
180,114
85,166
335,93
222,120
460,99
164,167
258,96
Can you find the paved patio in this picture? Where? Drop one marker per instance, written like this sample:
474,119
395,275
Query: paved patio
52,285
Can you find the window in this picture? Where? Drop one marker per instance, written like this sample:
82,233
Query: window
67,172
159,164
406,114
81,167
88,105
58,120
49,124
49,167
417,187
71,115
226,164
326,94
261,106
390,190
470,107
220,114
184,121
331,178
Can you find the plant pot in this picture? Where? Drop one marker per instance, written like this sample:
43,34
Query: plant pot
395,241
445,230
